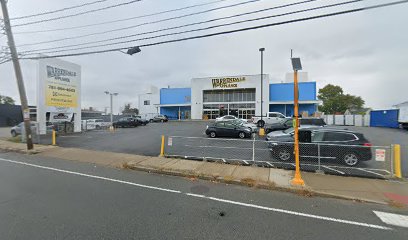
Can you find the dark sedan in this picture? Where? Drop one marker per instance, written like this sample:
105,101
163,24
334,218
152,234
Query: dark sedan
126,122
228,129
336,146
288,123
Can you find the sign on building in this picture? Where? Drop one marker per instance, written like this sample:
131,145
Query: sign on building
59,93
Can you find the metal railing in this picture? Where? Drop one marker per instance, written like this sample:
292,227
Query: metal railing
338,159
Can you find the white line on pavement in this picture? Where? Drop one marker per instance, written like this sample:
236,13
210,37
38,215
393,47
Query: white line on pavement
333,169
205,197
393,219
365,170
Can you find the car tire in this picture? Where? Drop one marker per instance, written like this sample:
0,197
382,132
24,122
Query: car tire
284,155
351,159
241,135
261,123
13,133
98,127
151,120
212,135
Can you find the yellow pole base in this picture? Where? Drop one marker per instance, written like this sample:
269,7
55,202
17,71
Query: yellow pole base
111,129
397,161
261,132
297,180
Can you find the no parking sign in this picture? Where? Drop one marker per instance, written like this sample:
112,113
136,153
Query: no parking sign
380,155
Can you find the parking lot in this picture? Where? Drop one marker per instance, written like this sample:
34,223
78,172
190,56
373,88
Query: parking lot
145,140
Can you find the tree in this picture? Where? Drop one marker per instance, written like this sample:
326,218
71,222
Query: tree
129,110
6,100
334,100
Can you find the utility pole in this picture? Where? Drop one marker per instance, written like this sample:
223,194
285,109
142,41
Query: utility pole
19,75
262,130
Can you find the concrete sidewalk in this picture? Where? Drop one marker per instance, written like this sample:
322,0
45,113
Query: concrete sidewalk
370,190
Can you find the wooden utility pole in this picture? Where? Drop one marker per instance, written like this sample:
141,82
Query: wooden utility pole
19,75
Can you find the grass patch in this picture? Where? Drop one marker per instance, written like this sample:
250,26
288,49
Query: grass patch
304,193
16,139
396,204
126,165
248,181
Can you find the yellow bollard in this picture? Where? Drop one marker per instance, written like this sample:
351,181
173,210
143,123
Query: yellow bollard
262,132
54,139
397,161
162,147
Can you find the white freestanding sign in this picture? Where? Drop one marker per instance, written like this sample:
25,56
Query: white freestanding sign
58,93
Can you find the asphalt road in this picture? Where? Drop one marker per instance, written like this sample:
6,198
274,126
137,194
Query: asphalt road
42,198
145,140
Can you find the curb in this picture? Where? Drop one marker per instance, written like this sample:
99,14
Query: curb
304,191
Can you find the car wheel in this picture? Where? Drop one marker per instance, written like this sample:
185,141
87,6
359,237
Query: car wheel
151,120
13,133
98,127
241,135
284,155
261,123
351,159
213,134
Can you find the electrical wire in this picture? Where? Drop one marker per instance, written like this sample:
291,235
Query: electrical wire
228,32
187,31
76,14
142,24
59,10
120,20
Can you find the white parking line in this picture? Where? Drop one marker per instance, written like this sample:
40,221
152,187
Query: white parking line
393,219
334,169
365,170
294,213
270,164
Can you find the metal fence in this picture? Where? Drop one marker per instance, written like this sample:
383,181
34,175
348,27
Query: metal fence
337,159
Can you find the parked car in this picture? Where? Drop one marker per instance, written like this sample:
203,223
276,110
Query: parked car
142,121
335,145
283,135
226,118
288,123
126,122
228,129
245,123
17,130
270,118
159,118
96,124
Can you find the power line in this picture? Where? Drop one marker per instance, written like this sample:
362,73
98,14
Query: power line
228,32
120,20
76,14
59,10
188,31
143,24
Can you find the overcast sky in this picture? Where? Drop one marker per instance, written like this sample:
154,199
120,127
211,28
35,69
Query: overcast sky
365,53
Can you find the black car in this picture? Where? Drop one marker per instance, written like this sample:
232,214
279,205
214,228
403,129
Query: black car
141,120
126,122
335,145
160,118
228,129
288,123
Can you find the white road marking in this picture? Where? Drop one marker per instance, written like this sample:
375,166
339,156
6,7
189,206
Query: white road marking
365,170
330,219
393,219
334,169
270,164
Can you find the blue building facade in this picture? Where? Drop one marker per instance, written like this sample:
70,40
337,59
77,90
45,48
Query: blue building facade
176,102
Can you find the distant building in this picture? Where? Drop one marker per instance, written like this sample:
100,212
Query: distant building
211,97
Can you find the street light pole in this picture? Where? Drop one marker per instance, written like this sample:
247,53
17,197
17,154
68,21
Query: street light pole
262,130
19,75
297,180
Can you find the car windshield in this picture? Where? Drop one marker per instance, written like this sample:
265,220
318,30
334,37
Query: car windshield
237,122
289,130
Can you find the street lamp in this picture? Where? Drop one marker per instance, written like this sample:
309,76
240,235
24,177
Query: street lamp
111,104
297,65
262,131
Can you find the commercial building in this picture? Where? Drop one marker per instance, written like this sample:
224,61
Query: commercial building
242,96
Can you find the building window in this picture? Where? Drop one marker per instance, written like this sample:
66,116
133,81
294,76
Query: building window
229,95
146,102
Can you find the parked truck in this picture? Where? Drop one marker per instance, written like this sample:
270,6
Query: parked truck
403,115
269,118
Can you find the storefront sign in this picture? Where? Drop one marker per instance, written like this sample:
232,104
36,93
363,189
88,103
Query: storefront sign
60,117
61,88
229,82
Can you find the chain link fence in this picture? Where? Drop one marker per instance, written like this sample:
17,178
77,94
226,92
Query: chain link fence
337,159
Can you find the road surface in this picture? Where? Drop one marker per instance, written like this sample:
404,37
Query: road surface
43,198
